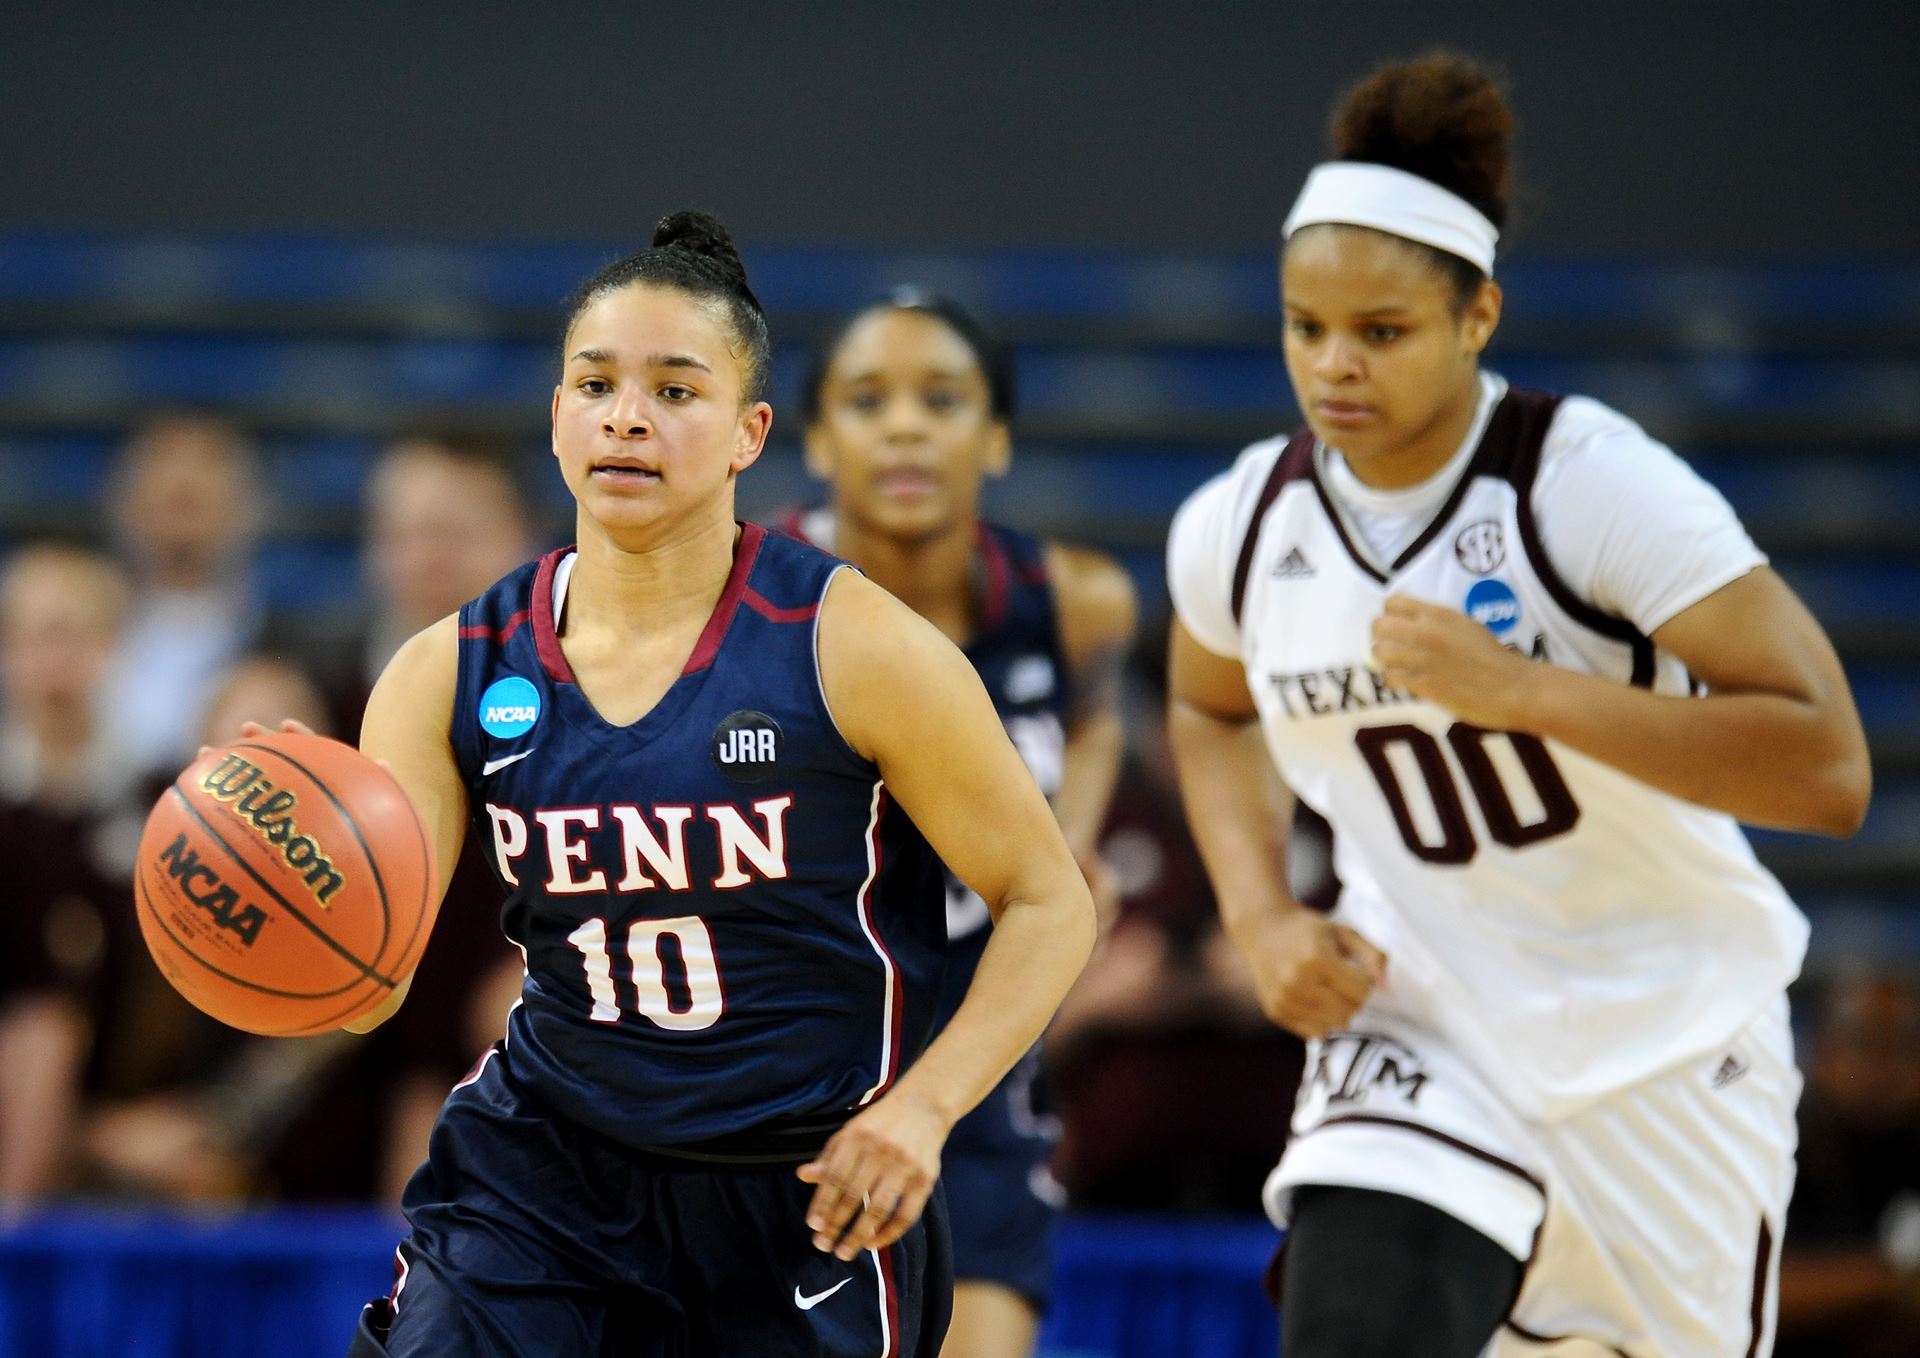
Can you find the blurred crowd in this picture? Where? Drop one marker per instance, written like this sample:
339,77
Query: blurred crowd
120,656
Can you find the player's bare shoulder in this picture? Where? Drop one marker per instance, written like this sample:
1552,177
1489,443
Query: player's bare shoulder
420,678
880,661
1096,601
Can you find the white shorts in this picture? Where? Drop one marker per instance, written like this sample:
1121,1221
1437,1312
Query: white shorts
1649,1223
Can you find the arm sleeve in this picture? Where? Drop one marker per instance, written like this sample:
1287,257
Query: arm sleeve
1203,547
1631,527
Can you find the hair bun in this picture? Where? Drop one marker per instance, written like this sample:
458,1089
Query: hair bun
700,233
1440,117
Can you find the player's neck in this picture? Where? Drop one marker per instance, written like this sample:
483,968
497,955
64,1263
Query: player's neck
932,575
652,588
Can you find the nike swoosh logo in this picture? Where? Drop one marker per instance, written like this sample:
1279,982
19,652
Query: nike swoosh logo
495,765
808,1303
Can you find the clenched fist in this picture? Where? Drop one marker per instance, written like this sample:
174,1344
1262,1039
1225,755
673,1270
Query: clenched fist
1311,974
1448,659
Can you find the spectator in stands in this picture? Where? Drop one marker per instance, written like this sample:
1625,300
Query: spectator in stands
1850,1277
217,1130
446,517
188,503
61,612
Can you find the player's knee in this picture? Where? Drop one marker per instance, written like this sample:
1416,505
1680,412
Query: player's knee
369,1337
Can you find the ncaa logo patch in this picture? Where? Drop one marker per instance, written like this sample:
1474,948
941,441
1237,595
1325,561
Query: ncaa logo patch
1491,604
1481,547
746,746
509,707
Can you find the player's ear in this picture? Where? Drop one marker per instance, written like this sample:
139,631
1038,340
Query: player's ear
553,422
1482,316
750,436
819,453
999,448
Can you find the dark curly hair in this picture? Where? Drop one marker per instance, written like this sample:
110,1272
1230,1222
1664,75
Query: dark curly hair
693,253
1440,117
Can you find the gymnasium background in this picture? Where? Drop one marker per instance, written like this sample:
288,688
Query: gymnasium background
311,231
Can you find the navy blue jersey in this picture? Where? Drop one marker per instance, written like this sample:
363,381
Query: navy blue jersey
1016,648
733,936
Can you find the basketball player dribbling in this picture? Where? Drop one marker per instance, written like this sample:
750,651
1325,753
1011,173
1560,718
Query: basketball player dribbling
907,410
704,757
1533,671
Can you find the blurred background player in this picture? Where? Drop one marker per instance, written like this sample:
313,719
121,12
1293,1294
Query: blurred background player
658,1155
1550,1089
187,502
908,410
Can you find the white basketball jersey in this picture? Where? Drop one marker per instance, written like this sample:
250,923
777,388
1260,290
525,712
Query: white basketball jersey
1571,929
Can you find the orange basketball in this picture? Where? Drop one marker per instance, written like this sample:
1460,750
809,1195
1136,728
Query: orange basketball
285,884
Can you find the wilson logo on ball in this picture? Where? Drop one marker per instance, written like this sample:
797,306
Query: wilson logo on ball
244,784
210,893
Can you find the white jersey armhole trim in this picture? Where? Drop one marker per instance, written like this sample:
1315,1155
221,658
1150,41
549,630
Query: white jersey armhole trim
863,904
819,678
561,575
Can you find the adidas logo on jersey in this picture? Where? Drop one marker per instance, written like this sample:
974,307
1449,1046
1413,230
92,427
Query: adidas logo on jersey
1293,566
1729,1070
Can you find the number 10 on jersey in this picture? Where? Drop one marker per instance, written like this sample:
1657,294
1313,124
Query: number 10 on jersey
700,1001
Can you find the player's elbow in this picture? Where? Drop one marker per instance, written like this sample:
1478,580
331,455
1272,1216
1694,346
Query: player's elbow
1846,789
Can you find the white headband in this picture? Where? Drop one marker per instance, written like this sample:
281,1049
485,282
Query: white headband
1359,194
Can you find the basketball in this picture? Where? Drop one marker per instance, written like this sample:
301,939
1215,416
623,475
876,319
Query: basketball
285,884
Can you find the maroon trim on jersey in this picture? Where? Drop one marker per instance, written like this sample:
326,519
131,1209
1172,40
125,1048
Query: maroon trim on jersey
1339,523
772,612
1762,1258
1295,461
999,577
1421,1129
1487,457
745,553
1525,417
1549,1340
546,637
501,635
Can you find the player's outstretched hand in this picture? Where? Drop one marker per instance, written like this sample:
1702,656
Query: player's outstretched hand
875,1175
1311,974
1447,658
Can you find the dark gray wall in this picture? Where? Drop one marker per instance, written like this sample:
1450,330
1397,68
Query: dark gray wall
1700,127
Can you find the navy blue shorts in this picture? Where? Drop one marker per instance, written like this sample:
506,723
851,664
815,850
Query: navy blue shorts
1002,1201
534,1238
